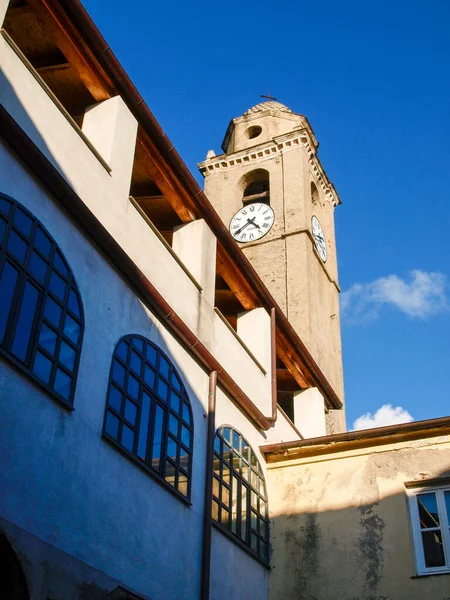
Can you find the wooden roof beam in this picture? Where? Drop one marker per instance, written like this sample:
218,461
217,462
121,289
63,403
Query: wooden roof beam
58,26
235,280
158,171
295,369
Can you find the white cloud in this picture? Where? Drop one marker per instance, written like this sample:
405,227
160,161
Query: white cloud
420,297
386,415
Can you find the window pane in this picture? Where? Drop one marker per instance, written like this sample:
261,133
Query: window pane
215,487
133,386
263,549
71,330
136,363
433,549
74,303
127,438
447,504
184,459
157,437
67,355
151,355
224,517
42,367
58,261
186,436
17,246
176,382
139,344
52,311
428,510
42,242
115,398
149,377
215,511
162,390
122,351
234,504
225,496
47,339
182,484
262,528
226,474
186,413
25,322
57,285
2,229
175,401
254,542
7,285
173,425
144,426
170,473
112,425
38,266
130,412
164,367
243,512
5,206
172,449
118,373
62,383
22,221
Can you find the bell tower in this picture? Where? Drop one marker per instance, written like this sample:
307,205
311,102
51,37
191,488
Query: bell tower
270,157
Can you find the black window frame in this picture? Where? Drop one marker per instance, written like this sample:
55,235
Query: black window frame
170,378
228,439
44,269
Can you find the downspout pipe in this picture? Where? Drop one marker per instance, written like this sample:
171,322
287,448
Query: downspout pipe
207,509
273,365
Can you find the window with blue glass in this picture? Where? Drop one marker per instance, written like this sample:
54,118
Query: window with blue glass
148,413
239,504
41,315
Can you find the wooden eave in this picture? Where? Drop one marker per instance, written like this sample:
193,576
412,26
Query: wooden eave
71,28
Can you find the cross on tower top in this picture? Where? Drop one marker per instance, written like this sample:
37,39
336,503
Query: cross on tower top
268,97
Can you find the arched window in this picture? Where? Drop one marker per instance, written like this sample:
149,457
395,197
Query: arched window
239,492
256,187
148,413
13,584
314,193
41,316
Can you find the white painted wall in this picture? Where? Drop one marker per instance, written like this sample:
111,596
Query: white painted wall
106,195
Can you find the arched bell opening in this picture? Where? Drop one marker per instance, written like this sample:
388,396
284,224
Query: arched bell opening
256,187
13,584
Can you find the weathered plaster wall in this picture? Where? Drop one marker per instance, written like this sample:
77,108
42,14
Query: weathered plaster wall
340,524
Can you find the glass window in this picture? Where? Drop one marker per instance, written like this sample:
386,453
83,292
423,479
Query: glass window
239,491
139,417
41,317
430,524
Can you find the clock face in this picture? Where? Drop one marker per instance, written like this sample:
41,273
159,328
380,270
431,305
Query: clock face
252,222
319,238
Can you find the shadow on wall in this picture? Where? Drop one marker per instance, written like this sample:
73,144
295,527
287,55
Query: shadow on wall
344,535
106,539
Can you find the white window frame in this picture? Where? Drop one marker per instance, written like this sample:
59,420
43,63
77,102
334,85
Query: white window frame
444,520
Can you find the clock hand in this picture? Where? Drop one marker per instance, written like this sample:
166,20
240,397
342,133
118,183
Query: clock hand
243,227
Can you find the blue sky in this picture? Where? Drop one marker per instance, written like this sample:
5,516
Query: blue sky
373,79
